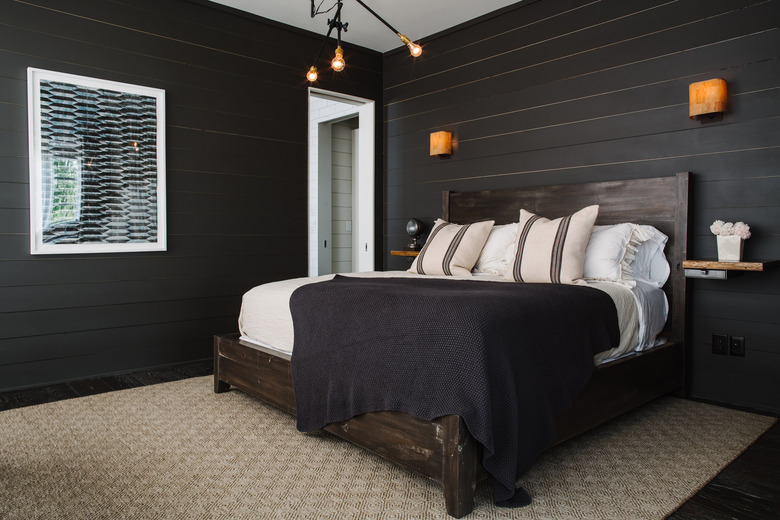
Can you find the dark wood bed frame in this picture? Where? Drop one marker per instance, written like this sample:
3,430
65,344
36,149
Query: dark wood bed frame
443,449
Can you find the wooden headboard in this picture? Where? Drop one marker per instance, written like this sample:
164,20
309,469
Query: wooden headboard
658,201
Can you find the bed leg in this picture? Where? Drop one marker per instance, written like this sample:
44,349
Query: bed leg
219,386
459,467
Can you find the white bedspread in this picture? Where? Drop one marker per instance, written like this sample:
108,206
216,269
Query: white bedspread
265,317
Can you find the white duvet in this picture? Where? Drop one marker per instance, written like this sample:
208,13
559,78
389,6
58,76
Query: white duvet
265,317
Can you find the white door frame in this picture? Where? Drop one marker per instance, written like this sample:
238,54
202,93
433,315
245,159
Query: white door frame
363,188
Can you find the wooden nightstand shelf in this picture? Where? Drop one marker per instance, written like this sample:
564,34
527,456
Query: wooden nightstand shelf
404,252
714,270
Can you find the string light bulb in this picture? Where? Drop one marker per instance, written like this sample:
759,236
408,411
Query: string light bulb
414,49
312,74
338,62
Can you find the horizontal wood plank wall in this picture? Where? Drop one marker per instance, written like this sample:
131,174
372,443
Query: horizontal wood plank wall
236,110
558,91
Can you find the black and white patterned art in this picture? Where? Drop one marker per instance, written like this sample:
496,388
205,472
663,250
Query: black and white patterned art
96,165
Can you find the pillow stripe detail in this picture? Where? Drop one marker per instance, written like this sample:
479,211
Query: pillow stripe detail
450,254
431,236
452,249
552,251
556,261
521,248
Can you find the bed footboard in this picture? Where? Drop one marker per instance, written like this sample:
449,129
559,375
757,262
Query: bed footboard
441,449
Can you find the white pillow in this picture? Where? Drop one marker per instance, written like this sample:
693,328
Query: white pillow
624,253
610,253
497,253
551,251
451,249
650,264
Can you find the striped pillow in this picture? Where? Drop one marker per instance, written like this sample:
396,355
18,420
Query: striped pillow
551,251
452,249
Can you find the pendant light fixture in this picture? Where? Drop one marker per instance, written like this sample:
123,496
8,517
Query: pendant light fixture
338,63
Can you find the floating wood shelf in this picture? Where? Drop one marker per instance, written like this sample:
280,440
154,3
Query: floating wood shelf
759,265
714,270
404,253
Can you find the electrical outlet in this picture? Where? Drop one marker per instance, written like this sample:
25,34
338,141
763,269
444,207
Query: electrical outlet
737,345
720,344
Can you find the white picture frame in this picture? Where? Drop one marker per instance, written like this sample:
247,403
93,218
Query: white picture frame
97,165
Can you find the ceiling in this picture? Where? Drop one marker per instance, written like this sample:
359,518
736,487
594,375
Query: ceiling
414,18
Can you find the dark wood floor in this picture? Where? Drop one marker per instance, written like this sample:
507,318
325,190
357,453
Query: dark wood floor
47,394
748,489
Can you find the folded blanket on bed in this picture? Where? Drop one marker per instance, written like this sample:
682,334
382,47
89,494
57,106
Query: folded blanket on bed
507,358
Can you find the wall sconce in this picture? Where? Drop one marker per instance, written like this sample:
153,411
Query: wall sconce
441,144
707,100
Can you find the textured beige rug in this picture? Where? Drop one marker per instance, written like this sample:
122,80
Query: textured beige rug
177,450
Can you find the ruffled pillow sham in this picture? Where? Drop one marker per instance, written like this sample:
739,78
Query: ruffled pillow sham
624,253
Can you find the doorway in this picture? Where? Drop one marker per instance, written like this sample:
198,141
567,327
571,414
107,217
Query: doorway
341,183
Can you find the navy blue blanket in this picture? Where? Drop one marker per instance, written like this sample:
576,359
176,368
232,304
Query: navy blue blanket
506,357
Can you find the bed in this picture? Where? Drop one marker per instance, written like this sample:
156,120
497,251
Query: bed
442,448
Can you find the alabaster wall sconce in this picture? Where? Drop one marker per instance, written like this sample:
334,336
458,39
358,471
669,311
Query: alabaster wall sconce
707,100
441,144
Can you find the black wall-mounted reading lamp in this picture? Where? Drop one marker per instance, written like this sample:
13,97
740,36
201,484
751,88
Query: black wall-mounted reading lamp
338,62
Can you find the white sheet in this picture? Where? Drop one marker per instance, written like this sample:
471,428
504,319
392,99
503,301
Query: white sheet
265,317
654,309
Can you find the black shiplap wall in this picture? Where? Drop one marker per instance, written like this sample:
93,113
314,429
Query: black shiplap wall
558,91
237,124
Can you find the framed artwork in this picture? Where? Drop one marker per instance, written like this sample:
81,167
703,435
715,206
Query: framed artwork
97,165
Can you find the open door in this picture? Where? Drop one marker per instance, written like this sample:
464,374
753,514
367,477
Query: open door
328,230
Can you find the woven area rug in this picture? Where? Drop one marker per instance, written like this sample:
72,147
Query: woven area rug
177,450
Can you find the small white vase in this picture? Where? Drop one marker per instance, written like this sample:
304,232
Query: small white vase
730,248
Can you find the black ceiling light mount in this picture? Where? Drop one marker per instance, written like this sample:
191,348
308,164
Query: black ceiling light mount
338,62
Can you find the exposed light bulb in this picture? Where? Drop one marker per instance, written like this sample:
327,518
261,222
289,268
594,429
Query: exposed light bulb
312,74
338,62
415,49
